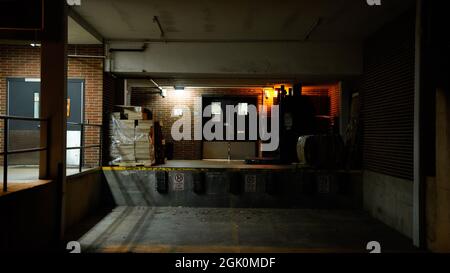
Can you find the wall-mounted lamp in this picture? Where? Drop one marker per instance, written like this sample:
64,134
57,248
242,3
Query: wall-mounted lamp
270,92
180,92
163,92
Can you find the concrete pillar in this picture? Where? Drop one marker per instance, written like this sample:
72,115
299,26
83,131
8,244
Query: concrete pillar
440,198
53,100
418,124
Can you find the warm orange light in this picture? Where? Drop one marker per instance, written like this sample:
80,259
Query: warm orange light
270,93
286,87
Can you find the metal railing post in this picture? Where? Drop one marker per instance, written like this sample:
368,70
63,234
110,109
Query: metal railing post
100,149
81,148
5,155
6,152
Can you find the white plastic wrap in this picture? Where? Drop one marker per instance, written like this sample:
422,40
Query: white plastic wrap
131,142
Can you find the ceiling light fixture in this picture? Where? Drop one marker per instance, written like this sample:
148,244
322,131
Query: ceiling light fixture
163,92
32,80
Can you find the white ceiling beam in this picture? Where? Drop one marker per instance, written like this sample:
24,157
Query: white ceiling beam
243,59
84,24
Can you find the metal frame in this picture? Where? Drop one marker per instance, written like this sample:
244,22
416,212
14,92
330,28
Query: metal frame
83,147
7,152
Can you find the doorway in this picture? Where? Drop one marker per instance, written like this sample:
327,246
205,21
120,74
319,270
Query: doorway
234,149
23,101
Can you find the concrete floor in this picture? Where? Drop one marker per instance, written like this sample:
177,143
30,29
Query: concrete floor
179,229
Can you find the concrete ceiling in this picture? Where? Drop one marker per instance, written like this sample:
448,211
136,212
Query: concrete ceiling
329,20
79,35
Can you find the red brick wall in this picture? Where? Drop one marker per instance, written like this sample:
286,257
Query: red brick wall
162,107
24,61
335,96
91,70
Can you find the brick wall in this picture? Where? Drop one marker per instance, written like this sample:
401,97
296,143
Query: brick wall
162,107
191,149
334,92
24,61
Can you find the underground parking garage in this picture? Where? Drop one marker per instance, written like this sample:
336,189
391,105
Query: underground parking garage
224,127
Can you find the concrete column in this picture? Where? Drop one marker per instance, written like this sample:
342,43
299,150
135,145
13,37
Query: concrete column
53,100
421,117
441,241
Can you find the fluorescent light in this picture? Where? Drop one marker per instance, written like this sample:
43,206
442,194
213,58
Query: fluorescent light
32,80
35,45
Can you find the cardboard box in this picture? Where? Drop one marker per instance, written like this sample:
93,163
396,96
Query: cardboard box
132,143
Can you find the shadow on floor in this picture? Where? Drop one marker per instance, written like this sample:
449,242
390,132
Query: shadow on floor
74,233
179,229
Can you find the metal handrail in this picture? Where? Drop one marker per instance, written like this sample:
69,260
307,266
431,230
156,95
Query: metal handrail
7,152
21,118
83,124
22,151
83,147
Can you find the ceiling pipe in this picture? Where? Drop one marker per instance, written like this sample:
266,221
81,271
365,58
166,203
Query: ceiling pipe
156,20
142,49
149,41
313,28
161,92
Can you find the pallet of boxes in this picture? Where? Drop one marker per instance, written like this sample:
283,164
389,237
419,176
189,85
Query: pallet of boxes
136,138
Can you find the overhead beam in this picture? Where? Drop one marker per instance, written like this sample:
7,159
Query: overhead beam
84,24
202,41
243,59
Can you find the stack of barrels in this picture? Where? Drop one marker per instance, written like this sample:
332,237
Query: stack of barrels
321,151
